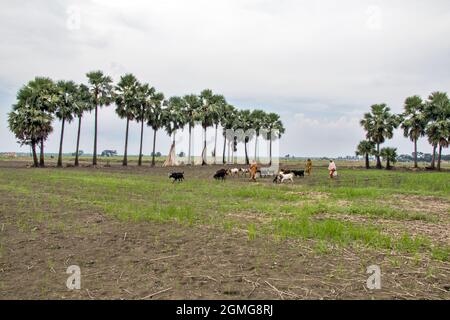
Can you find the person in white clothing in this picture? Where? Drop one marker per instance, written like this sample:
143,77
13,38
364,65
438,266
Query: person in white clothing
332,169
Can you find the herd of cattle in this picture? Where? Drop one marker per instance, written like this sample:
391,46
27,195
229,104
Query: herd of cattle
281,176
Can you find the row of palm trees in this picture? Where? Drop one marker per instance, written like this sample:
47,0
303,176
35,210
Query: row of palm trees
42,99
430,118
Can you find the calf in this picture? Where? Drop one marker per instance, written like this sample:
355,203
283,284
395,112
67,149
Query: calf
220,174
176,176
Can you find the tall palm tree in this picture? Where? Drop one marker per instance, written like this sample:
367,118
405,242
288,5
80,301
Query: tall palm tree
365,148
379,125
173,119
67,96
193,104
101,92
144,96
437,109
154,117
218,107
390,155
227,121
274,129
257,117
40,94
244,123
82,104
30,126
439,134
127,103
414,121
206,116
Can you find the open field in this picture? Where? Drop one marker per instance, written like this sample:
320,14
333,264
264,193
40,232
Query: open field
136,235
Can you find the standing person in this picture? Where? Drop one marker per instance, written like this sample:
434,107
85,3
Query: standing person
253,170
332,169
308,166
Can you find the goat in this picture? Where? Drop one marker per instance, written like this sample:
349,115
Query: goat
177,176
234,171
282,177
220,174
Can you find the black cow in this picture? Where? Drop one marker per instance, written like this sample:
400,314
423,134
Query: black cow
176,176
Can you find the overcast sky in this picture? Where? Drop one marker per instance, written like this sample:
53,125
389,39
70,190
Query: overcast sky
319,64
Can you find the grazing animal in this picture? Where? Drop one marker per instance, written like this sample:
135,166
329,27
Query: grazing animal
234,172
244,171
177,176
220,174
298,173
286,177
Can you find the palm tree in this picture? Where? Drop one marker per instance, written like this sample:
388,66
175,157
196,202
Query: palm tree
154,117
439,134
437,111
414,121
390,155
379,125
127,103
218,106
193,104
145,95
366,148
227,121
82,103
173,119
206,116
40,94
273,130
244,123
101,93
30,126
67,96
257,117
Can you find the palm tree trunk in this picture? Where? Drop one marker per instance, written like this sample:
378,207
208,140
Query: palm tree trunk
190,143
378,157
125,158
224,148
388,165
256,147
41,160
94,157
367,161
415,153
140,147
61,143
154,145
215,144
433,157
246,154
439,157
204,155
270,151
78,142
35,159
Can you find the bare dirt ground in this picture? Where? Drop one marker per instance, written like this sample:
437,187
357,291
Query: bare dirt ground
147,260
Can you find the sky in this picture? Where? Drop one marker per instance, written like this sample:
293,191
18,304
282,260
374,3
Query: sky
319,64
